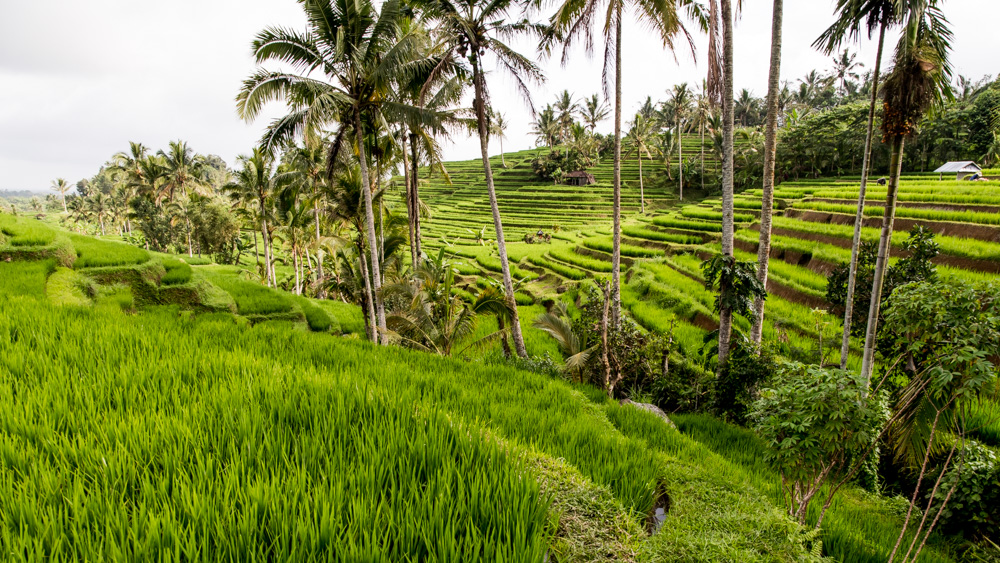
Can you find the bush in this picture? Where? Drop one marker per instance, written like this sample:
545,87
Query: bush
736,388
974,507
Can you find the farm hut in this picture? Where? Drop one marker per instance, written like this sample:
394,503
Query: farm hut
580,178
961,169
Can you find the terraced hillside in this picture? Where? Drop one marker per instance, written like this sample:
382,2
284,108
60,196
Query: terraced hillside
663,247
135,429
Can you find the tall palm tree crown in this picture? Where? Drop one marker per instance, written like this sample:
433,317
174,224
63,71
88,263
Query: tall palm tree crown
346,66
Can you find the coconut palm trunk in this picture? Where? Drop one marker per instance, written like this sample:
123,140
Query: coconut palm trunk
616,250
852,278
770,148
319,252
367,292
728,125
267,246
680,159
484,139
378,321
407,175
642,192
414,202
702,155
882,262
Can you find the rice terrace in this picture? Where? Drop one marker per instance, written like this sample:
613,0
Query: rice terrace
675,320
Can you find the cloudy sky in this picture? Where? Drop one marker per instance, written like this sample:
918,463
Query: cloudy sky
79,80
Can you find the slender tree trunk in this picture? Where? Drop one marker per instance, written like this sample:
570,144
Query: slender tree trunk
319,259
256,252
726,314
65,209
376,274
882,263
267,250
484,140
298,279
770,147
702,155
409,206
367,292
642,193
852,279
680,159
190,251
415,197
616,250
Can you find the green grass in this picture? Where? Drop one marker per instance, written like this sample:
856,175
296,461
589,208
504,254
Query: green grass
178,272
66,286
605,244
316,317
672,223
266,442
95,253
660,236
24,231
251,297
347,315
695,212
24,278
580,261
561,269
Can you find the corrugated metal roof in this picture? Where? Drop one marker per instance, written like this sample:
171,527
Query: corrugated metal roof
962,166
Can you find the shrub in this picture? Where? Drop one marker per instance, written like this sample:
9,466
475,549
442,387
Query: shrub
815,422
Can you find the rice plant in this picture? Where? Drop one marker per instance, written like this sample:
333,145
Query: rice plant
92,252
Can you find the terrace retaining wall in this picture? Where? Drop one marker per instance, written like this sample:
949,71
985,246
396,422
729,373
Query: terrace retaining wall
986,233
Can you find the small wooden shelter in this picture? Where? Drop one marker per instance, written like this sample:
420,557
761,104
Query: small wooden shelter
579,178
960,168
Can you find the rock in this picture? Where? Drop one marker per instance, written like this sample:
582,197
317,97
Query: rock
651,408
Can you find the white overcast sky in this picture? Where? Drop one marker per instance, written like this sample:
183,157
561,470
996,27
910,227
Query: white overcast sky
79,80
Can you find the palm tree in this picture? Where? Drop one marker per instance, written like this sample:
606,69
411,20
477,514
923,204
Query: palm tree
640,138
726,95
363,54
770,150
703,112
254,185
435,319
292,217
572,22
545,127
63,187
498,129
576,354
183,170
855,15
594,111
474,29
845,67
680,102
921,76
99,206
566,109
309,164
746,108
